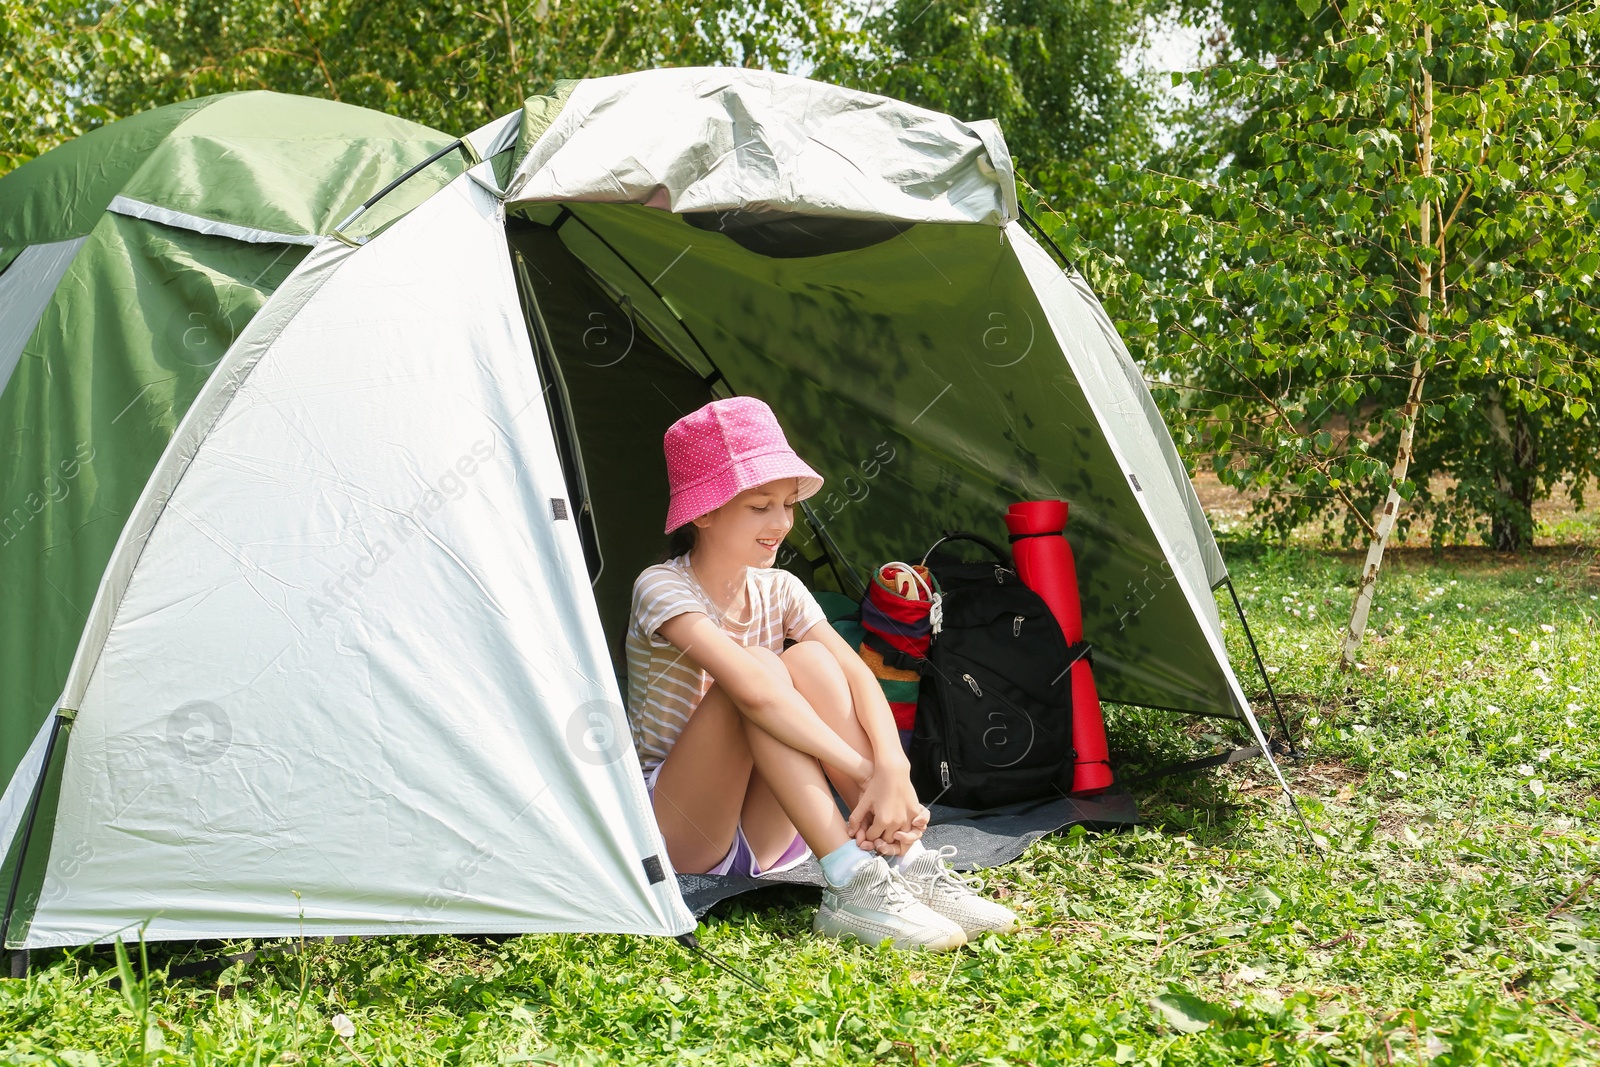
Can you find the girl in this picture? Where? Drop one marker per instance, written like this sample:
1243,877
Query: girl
740,738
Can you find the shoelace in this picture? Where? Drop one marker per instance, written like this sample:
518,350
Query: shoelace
954,880
897,892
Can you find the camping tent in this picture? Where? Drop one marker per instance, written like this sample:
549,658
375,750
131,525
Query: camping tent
328,488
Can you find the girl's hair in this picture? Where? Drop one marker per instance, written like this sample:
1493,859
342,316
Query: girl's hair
679,541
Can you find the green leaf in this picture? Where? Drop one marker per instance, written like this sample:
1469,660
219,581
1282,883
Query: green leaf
1262,897
1187,1013
129,988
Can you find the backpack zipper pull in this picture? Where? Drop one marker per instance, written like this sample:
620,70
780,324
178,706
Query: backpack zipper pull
944,773
973,683
1016,626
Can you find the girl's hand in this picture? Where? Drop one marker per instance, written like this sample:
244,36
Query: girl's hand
887,817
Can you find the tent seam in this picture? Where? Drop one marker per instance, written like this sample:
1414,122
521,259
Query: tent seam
129,207
222,390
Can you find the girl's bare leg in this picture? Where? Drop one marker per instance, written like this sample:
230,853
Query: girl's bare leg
815,674
819,679
702,784
722,768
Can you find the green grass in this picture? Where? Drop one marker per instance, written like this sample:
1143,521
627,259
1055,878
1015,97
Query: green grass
1450,918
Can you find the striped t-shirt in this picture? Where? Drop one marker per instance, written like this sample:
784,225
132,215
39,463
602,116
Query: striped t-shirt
665,686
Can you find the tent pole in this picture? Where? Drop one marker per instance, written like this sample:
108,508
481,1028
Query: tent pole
1066,264
62,717
716,371
392,186
1277,710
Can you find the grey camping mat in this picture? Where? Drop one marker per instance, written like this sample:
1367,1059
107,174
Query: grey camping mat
982,839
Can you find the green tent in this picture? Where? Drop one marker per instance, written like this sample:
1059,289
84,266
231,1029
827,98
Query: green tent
134,255
325,491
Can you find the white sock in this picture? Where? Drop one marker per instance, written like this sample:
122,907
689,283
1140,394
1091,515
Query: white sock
899,862
840,865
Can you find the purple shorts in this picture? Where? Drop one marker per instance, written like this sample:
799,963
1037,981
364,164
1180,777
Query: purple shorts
740,860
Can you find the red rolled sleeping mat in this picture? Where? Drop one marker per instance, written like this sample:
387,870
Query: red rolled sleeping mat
1045,565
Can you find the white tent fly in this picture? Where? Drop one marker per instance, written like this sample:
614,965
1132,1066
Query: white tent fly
352,665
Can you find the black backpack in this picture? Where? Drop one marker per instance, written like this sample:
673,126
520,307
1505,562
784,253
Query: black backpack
994,707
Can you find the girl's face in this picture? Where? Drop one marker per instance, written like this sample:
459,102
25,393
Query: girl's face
751,526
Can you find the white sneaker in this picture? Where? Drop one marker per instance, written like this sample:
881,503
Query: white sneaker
877,905
948,894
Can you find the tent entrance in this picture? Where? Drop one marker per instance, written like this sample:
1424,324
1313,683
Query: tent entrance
920,375
611,391
614,384
933,375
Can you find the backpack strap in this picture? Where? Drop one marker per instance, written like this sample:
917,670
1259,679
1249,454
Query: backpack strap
899,659
967,535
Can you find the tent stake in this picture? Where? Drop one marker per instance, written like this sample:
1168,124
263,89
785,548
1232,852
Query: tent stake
1277,710
692,943
62,717
1294,752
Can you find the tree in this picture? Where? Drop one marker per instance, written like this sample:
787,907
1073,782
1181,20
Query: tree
71,66
47,49
1496,459
1055,74
448,64
1406,247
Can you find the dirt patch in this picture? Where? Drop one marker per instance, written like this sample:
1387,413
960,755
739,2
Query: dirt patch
1297,707
1222,501
1582,561
1572,526
1330,778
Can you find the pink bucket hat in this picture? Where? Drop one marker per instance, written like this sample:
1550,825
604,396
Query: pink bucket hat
724,448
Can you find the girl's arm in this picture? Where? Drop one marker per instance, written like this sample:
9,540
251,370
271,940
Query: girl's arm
872,708
888,812
776,708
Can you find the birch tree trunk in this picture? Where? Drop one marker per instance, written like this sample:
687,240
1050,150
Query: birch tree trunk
1366,588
